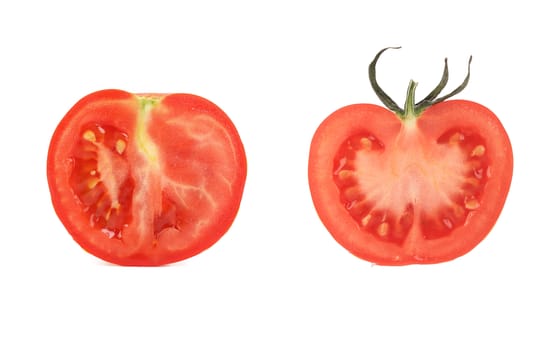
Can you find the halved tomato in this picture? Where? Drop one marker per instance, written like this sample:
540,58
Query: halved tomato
418,185
146,179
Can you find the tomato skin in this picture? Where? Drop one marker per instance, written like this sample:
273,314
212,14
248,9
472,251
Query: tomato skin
146,179
431,124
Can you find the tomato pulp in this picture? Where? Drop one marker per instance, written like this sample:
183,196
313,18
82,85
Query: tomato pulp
146,179
423,184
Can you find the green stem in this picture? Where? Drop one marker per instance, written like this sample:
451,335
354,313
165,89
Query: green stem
436,91
413,110
410,109
386,100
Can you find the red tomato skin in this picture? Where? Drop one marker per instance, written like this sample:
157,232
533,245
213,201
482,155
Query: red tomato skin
353,119
119,110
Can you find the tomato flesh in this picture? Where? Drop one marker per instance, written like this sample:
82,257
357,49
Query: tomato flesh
383,193
146,179
421,190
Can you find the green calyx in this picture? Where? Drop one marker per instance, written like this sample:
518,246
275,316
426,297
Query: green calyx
412,110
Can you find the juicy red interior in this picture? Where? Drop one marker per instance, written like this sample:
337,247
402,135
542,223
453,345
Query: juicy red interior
389,206
102,180
110,212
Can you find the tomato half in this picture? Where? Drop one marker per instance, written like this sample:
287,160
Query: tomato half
423,184
146,179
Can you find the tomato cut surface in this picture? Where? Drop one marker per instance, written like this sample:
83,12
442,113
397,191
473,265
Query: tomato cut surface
146,179
410,186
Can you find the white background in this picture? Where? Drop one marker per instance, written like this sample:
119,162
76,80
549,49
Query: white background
276,280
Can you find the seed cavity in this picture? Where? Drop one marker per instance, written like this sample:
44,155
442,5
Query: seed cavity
169,217
100,180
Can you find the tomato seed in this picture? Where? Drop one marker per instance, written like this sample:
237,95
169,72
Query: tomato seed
472,181
456,138
366,143
345,174
458,211
471,203
120,146
382,229
365,220
478,151
92,182
89,135
448,223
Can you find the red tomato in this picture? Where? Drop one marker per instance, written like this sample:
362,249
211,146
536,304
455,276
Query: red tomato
146,179
419,185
